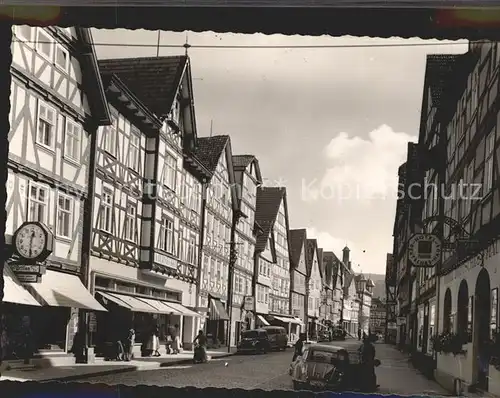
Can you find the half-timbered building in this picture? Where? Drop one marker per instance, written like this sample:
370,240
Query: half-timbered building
57,103
272,216
391,301
350,301
298,277
326,307
467,116
247,178
314,286
218,208
337,275
148,187
364,289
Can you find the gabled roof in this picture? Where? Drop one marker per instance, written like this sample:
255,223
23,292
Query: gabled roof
347,282
297,244
438,69
321,266
268,204
328,263
209,150
242,161
331,259
154,80
96,97
312,246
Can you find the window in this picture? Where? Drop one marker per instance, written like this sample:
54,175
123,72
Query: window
64,215
62,58
167,235
46,125
134,152
488,164
169,172
72,141
110,136
44,44
191,255
130,222
106,211
38,203
24,32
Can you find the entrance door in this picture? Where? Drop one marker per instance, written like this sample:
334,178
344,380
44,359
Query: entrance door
426,328
482,309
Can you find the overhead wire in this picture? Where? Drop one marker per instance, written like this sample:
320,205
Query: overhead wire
263,46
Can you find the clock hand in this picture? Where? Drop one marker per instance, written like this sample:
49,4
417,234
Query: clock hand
31,242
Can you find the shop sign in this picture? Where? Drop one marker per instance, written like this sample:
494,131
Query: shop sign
92,322
248,303
424,250
29,278
28,269
166,261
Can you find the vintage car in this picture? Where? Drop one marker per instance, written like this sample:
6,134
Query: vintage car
331,368
254,341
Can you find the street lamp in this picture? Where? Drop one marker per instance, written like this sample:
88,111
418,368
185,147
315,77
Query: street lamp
233,256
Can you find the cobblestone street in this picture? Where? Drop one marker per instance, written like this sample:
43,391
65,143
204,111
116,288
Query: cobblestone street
269,372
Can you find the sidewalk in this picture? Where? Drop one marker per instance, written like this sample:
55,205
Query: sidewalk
397,376
101,367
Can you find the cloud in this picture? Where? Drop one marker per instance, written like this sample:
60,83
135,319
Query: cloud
362,170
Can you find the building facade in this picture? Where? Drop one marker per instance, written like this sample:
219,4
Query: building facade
314,287
391,302
351,299
378,315
468,284
148,267
337,285
218,208
298,277
364,290
247,178
326,309
57,103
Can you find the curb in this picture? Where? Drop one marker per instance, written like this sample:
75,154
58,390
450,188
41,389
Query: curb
125,370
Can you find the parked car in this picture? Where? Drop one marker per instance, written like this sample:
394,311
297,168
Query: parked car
278,338
329,368
254,341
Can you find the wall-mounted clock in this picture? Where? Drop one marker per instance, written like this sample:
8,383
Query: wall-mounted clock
33,241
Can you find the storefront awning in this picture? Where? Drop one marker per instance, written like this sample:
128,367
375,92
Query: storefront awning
217,310
297,321
131,303
14,292
58,289
160,306
263,320
183,310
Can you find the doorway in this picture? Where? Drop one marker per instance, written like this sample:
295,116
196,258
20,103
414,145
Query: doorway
482,316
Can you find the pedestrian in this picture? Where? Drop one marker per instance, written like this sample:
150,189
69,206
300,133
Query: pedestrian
359,334
298,346
156,342
176,340
201,340
367,353
129,345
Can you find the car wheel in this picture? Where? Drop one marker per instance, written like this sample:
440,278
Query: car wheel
296,385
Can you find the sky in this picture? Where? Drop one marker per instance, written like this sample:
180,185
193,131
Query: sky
330,123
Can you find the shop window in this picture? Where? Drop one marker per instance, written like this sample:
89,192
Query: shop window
494,312
447,316
462,311
470,318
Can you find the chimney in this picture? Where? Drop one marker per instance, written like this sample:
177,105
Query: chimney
345,255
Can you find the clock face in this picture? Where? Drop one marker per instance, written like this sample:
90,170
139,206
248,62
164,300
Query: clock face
30,241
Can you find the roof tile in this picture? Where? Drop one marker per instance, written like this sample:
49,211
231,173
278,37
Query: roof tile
210,149
154,80
297,240
268,204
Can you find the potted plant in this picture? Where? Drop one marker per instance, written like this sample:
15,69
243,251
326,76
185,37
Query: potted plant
448,343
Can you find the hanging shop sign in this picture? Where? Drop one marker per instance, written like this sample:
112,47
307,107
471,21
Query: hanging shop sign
248,303
424,250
